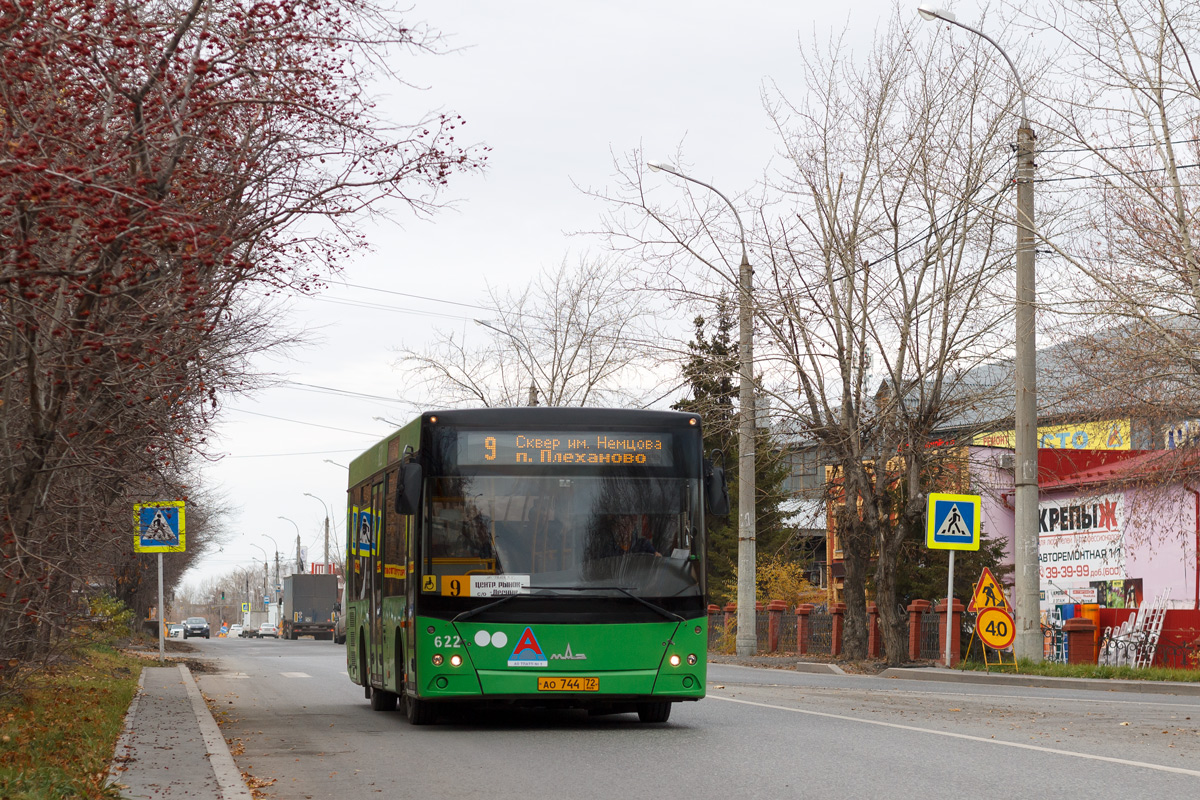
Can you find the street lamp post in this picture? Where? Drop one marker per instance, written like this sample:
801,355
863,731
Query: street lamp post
1028,643
533,391
266,561
265,536
747,638
299,565
327,516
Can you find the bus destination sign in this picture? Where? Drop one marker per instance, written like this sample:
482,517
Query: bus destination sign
507,448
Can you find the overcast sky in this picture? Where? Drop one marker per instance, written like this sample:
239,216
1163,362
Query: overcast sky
555,89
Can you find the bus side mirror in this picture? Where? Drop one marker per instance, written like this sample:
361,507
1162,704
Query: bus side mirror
716,491
408,494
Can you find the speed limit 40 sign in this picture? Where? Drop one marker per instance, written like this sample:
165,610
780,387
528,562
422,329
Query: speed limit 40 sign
995,628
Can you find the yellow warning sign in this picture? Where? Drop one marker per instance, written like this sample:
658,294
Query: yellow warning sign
988,593
995,628
429,584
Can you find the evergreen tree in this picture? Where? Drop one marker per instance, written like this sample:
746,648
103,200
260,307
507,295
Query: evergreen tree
711,372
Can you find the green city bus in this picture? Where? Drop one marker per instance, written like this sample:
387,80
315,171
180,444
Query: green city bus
532,556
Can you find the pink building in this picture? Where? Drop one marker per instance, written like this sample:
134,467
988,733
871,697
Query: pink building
1117,528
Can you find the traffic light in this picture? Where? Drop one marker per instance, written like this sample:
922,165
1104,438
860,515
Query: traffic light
222,597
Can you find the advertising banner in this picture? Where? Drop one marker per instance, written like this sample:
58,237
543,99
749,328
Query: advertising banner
1081,541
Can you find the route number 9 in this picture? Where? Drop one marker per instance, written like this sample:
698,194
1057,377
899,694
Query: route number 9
489,444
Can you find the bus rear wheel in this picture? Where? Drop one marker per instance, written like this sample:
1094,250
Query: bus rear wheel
382,701
654,712
418,711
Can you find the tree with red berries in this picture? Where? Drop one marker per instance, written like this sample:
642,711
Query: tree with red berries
165,166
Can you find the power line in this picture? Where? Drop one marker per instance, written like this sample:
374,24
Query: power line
1114,147
415,296
308,453
312,387
299,422
1124,174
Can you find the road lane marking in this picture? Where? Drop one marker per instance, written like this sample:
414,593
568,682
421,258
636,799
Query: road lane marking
967,737
1085,695
295,675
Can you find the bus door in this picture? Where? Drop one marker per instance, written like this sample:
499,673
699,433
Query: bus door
375,591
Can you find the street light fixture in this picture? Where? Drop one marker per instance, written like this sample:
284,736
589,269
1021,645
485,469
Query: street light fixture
1028,643
747,638
328,514
266,562
533,390
336,464
299,565
276,569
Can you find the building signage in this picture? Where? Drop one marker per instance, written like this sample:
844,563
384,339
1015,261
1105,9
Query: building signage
1112,434
1081,539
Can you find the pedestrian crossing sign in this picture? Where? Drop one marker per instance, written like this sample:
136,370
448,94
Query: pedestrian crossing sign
952,522
159,527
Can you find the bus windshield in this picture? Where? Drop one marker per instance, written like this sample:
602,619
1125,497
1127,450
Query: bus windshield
497,535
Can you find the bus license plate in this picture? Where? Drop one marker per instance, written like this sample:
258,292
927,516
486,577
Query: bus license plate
568,684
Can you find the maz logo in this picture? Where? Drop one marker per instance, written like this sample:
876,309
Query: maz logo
567,656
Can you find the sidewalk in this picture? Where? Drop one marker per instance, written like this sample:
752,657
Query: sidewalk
171,747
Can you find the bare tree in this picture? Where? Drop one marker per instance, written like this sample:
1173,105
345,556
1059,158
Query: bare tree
878,249
1127,107
572,337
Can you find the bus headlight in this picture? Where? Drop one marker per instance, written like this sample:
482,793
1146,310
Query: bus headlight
692,659
456,660
437,659
674,659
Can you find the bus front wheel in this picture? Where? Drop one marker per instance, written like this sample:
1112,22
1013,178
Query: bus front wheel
418,711
654,712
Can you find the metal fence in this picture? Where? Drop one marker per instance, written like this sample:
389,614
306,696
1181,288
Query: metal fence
787,632
821,641
762,630
931,648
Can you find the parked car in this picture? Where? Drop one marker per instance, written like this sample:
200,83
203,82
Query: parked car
195,626
267,629
174,630
234,631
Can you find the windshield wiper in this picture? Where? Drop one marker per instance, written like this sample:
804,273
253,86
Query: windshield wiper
622,589
625,591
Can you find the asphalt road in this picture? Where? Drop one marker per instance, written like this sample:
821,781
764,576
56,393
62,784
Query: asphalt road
292,716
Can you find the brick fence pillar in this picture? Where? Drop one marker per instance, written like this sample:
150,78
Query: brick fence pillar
803,627
955,630
873,643
730,616
916,610
1081,640
774,624
837,611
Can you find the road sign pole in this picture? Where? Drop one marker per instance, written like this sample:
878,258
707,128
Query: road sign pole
162,614
949,606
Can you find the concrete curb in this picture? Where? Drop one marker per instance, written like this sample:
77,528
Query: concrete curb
1010,679
228,775
819,668
121,751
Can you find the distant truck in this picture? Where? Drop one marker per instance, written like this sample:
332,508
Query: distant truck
308,606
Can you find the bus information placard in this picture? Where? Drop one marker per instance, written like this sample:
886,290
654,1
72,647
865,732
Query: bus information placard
542,448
